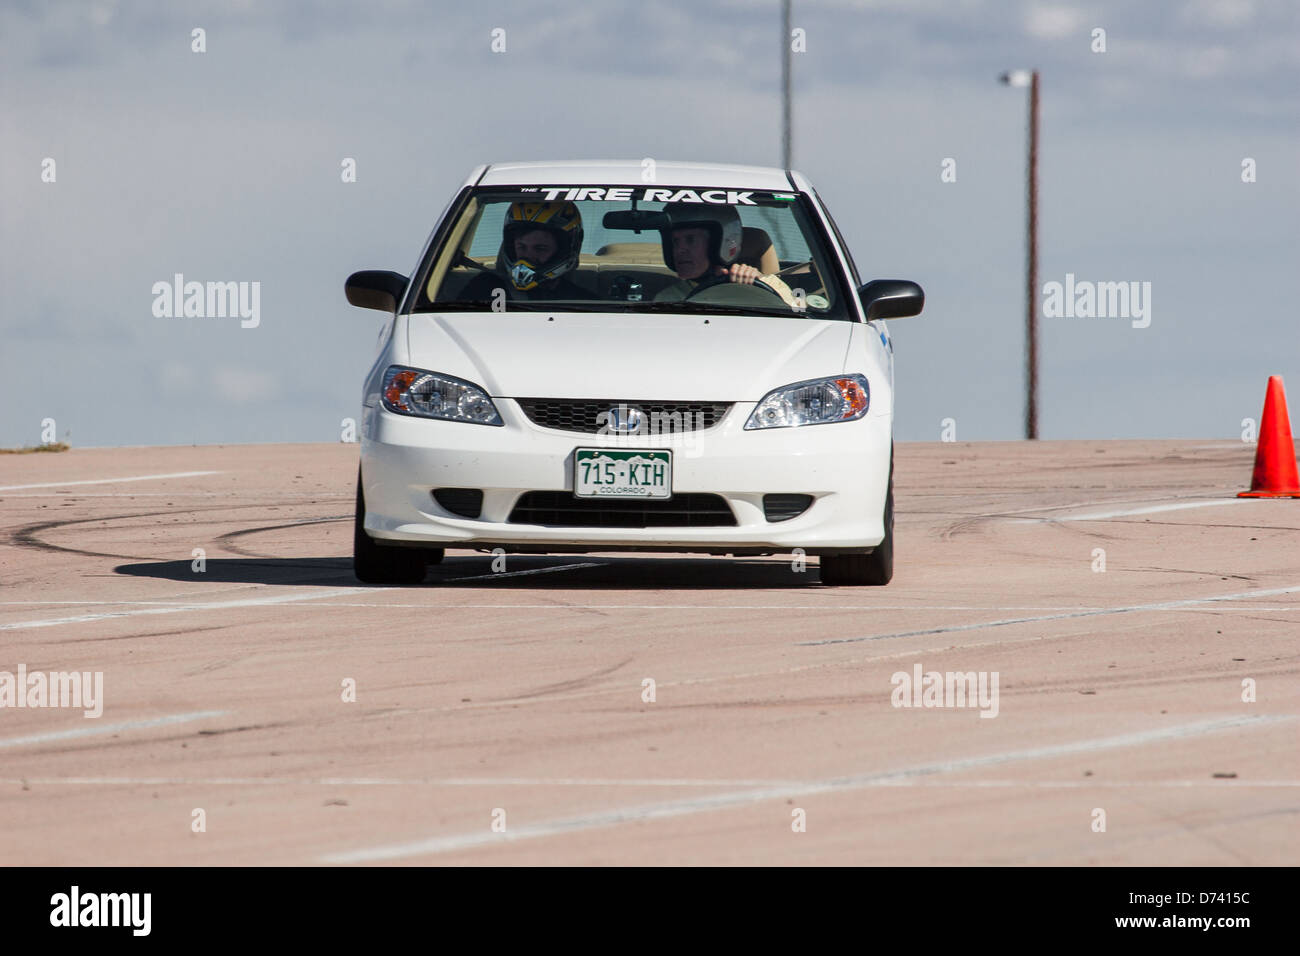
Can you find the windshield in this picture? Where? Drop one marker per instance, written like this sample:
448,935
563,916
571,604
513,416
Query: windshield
632,249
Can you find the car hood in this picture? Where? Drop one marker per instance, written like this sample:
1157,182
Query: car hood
716,358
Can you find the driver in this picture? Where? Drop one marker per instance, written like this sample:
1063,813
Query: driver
540,244
702,243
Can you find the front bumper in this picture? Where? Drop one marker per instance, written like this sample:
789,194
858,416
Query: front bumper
844,466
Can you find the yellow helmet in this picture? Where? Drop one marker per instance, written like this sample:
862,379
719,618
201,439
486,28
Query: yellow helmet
562,220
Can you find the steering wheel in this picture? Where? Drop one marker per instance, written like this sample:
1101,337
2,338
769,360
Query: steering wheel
721,280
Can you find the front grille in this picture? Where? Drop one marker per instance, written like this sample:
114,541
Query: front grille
785,507
561,509
466,502
591,415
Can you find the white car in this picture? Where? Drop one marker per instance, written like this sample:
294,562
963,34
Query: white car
627,356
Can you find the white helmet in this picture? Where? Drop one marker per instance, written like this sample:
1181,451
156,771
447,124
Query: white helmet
722,223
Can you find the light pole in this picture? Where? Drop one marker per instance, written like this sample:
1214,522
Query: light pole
785,84
1029,78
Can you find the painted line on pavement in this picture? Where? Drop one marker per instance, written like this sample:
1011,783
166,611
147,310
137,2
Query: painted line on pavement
1129,609
178,608
109,481
98,728
749,796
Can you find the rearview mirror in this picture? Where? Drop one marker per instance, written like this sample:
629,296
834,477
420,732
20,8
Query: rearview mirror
636,219
891,298
374,289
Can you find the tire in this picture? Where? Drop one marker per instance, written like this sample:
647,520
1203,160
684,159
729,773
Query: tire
374,563
874,569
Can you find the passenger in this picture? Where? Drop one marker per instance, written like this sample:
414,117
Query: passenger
541,243
703,243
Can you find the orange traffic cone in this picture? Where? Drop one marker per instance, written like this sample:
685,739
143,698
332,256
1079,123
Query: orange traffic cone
1275,469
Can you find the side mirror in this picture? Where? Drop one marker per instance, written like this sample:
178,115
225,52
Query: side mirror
891,298
375,290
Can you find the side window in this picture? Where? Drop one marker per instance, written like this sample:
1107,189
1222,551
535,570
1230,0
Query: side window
853,268
465,212
487,238
782,228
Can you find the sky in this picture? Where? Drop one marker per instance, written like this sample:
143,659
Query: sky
225,165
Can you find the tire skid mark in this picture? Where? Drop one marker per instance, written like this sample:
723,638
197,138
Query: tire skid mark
27,536
225,540
560,687
183,632
221,731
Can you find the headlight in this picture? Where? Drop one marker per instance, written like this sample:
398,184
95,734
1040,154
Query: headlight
840,399
411,391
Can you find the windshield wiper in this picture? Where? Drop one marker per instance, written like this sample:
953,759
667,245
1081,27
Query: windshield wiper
701,308
514,305
615,307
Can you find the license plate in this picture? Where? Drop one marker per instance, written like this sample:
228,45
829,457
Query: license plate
604,473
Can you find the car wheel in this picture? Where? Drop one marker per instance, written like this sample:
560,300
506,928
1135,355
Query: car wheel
374,563
874,569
